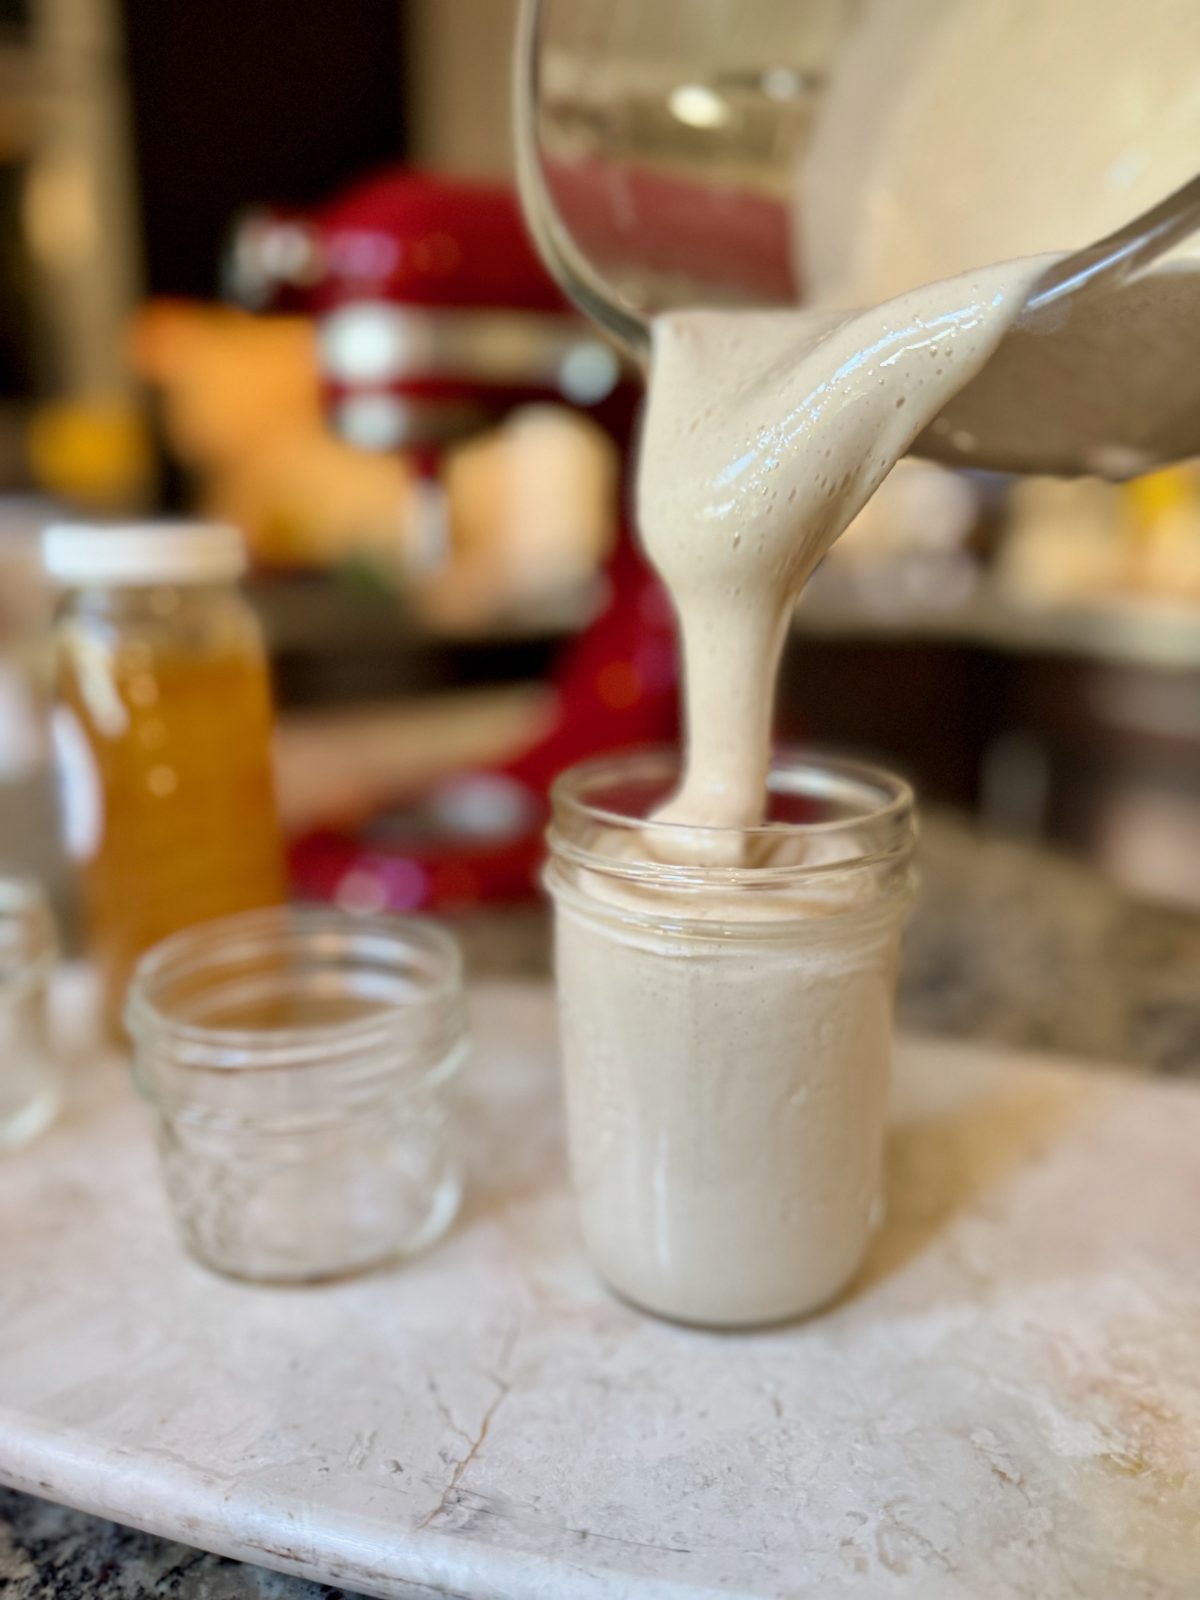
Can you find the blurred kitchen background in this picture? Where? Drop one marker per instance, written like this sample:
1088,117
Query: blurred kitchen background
223,291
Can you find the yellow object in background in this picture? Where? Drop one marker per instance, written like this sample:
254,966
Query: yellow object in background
1164,508
1160,493
1084,541
91,453
162,729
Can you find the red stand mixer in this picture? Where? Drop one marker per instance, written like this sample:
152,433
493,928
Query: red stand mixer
436,318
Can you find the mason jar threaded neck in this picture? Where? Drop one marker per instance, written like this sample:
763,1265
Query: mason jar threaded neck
305,992
827,815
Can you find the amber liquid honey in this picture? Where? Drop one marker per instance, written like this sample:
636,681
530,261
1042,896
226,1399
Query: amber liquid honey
175,822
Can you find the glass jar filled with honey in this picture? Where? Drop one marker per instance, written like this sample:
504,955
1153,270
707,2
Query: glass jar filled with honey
162,732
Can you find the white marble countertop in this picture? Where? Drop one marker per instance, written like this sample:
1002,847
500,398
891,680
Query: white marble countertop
1007,1403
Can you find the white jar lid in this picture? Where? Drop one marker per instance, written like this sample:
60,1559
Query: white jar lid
132,553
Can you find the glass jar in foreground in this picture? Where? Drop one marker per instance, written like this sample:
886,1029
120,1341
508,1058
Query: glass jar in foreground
30,1084
726,1031
162,730
299,1062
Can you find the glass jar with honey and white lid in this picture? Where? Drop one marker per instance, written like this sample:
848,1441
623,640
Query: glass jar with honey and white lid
162,731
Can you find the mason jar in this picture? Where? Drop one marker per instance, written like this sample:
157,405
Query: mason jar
300,1062
30,1081
726,1031
162,730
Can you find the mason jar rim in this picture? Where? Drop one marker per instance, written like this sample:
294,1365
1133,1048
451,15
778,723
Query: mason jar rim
886,806
434,1013
28,944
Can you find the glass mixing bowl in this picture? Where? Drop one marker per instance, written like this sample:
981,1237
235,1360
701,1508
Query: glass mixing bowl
668,137
725,152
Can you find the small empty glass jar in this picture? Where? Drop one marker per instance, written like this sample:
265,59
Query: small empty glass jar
300,1062
30,1085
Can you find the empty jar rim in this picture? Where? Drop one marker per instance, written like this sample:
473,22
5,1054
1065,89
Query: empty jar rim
300,987
28,947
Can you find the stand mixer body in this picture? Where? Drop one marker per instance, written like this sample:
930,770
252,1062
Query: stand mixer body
436,319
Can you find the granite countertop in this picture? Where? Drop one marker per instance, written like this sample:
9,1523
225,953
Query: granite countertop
1014,944
1008,943
50,1553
